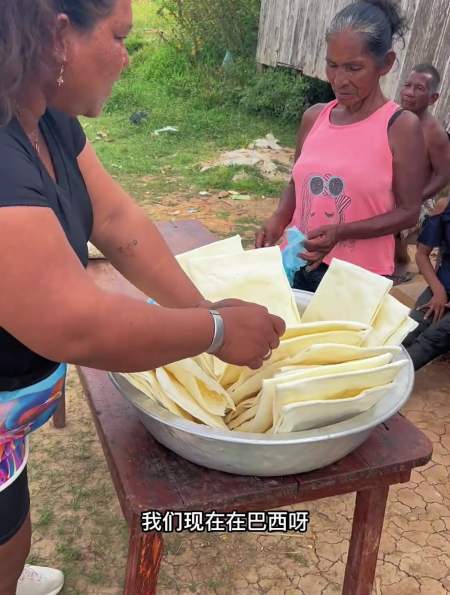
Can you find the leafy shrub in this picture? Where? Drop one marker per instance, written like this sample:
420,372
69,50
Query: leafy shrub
207,28
283,93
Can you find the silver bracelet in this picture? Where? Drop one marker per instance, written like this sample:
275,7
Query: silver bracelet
219,333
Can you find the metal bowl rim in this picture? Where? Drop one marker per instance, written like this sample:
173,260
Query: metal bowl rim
331,432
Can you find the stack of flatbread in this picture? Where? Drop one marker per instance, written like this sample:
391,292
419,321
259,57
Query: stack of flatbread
337,359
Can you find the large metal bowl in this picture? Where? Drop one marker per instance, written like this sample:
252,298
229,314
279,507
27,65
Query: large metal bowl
259,454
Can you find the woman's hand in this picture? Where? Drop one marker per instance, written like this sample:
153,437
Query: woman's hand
226,303
251,333
320,242
437,306
270,232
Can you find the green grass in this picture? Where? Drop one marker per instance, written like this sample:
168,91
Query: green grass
45,518
199,100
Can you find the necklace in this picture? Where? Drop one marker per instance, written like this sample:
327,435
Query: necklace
33,136
34,139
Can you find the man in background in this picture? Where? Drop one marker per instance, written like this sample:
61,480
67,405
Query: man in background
419,93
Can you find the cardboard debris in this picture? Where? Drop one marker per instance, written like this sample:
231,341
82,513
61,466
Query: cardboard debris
265,154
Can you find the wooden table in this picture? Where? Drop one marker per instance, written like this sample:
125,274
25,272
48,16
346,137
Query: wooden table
147,476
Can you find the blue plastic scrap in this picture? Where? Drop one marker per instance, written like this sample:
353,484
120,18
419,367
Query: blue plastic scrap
291,259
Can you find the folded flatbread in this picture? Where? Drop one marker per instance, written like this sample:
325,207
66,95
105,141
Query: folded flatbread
336,353
254,275
146,383
207,392
231,245
177,393
391,316
308,415
335,386
347,292
263,418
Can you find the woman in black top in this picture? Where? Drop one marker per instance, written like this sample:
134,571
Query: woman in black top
59,59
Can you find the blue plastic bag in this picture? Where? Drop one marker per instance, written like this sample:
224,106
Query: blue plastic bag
291,260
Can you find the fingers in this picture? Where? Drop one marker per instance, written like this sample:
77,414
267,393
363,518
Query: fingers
315,233
437,311
438,314
260,239
256,364
278,324
313,266
231,303
312,256
274,344
434,312
424,306
267,356
312,245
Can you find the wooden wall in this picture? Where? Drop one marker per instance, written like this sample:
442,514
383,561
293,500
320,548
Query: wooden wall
292,33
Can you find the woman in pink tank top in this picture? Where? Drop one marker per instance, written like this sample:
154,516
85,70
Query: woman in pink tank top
360,161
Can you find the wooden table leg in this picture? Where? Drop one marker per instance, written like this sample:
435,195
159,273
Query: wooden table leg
59,417
144,559
366,535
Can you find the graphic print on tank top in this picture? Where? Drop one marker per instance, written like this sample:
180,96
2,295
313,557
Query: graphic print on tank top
323,199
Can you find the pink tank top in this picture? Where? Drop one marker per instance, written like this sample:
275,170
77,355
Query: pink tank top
345,174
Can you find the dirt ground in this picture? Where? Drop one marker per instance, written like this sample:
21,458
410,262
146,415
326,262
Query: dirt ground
79,528
218,212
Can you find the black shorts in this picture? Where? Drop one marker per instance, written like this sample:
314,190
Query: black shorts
14,507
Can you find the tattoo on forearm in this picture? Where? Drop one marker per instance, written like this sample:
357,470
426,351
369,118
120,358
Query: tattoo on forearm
128,249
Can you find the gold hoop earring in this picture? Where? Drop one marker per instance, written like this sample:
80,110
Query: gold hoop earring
60,79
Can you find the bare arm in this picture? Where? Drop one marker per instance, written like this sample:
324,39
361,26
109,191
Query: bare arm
409,164
439,303
130,241
439,153
275,226
50,303
426,267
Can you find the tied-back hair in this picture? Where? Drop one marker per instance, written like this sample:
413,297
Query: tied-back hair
379,21
27,33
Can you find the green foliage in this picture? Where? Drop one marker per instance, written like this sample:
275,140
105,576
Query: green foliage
283,93
134,43
208,28
168,73
214,108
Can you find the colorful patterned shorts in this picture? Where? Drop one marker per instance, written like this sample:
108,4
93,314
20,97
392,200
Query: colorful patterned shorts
21,412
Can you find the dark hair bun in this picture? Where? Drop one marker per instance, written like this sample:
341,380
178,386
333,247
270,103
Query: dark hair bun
379,21
394,15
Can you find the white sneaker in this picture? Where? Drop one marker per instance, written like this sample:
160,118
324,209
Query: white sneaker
39,580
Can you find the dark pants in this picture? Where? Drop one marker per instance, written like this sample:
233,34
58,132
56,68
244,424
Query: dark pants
14,507
429,340
309,281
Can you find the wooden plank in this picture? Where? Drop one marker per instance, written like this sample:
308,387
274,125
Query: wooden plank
144,560
365,541
388,448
